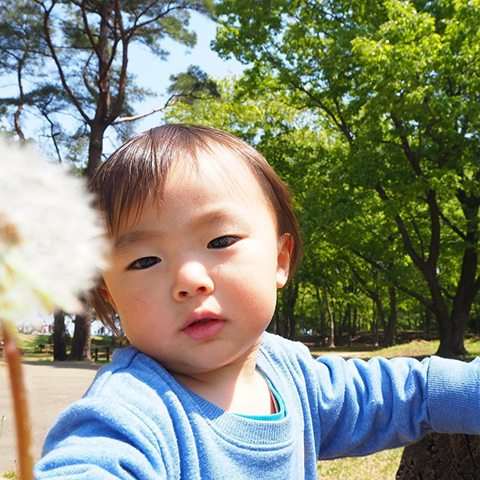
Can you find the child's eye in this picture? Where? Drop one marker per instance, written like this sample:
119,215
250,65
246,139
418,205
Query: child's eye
223,242
145,262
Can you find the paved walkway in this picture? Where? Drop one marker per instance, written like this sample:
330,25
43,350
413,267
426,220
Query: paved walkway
52,386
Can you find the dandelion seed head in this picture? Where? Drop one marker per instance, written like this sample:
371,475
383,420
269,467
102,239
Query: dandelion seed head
51,241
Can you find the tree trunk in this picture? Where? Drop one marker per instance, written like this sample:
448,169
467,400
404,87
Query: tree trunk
59,337
289,296
428,322
323,335
391,329
81,338
95,149
452,338
276,322
377,301
355,323
374,329
331,340
322,316
349,324
441,457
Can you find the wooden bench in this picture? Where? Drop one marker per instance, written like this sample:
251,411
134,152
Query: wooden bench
102,352
41,348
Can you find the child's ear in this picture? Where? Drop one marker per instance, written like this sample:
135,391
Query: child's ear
285,248
106,295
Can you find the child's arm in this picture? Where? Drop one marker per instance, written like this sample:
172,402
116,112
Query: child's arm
354,408
93,440
120,429
365,407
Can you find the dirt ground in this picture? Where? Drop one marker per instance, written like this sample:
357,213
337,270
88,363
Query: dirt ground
52,386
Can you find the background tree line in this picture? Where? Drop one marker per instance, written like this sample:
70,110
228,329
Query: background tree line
368,110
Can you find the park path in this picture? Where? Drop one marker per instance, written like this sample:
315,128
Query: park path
52,386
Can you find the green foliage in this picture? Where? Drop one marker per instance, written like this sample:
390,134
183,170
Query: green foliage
395,85
192,85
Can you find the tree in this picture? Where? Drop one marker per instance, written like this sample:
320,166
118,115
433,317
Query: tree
398,81
89,45
22,51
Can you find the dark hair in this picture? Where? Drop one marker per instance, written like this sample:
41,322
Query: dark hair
138,170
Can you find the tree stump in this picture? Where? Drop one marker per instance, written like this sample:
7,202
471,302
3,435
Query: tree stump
441,457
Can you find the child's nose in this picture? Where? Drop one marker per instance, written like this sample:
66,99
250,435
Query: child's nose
192,279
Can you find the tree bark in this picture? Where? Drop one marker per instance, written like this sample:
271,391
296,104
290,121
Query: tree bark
452,342
331,339
59,337
355,323
289,297
441,457
391,329
95,149
348,321
322,316
81,338
428,322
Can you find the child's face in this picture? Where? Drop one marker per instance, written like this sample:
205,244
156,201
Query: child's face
194,279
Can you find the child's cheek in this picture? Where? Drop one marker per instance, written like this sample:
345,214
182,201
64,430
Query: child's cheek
140,301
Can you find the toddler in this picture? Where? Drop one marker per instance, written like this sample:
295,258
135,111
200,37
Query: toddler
202,236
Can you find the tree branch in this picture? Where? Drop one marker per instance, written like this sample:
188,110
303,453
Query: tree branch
414,294
87,29
157,17
85,77
369,260
340,123
53,134
452,226
147,114
417,259
406,146
117,106
420,239
53,52
434,249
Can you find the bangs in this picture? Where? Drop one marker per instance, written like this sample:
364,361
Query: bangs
137,171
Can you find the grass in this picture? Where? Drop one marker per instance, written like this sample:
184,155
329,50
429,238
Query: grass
11,475
379,466
417,348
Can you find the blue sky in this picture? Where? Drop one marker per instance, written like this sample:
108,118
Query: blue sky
154,74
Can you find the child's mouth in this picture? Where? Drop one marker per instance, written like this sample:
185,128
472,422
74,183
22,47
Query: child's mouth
200,322
204,328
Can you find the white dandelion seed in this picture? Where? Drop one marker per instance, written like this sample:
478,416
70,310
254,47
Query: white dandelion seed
51,245
50,250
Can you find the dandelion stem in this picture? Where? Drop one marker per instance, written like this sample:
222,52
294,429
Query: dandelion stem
20,405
